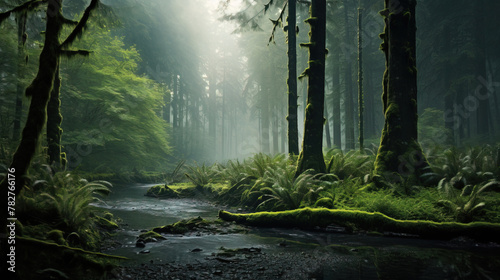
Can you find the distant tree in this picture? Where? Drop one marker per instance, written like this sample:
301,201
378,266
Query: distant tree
311,156
360,79
349,92
399,150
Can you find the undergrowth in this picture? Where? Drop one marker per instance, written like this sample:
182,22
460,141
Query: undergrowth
459,185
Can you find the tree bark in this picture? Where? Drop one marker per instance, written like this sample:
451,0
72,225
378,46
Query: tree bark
293,133
54,121
311,156
39,91
399,150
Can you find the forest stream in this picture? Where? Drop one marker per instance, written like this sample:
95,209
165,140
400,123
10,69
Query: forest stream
279,253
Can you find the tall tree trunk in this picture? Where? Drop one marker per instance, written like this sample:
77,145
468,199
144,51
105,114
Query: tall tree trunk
39,91
21,61
212,107
348,97
327,128
275,130
264,113
337,134
311,156
293,132
181,109
54,121
167,98
175,102
399,150
360,81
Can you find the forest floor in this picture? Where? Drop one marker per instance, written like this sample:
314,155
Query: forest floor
251,265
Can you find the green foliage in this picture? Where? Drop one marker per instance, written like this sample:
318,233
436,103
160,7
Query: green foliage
176,175
464,205
63,201
201,175
112,123
278,189
472,166
350,164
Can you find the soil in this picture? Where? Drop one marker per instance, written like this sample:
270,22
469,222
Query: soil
244,265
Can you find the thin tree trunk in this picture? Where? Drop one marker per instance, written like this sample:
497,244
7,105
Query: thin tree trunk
275,131
212,107
337,134
360,81
348,97
167,98
54,121
293,133
264,111
327,128
311,156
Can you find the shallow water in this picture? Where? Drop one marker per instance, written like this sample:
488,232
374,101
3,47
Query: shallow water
354,256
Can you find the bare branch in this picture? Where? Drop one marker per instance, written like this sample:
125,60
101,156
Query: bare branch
78,30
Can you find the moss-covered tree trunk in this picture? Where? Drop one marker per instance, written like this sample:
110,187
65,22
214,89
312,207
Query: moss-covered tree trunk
39,91
54,121
40,88
311,156
293,132
399,150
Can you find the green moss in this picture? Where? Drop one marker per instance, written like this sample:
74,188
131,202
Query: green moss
309,218
183,226
150,236
324,202
162,191
106,224
57,236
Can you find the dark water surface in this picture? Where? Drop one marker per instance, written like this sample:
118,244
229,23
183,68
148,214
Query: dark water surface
345,256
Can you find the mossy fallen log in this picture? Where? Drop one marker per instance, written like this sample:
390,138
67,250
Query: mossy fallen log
367,221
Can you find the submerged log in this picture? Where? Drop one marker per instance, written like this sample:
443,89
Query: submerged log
361,220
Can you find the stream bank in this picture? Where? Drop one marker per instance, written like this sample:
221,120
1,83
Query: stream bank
278,253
